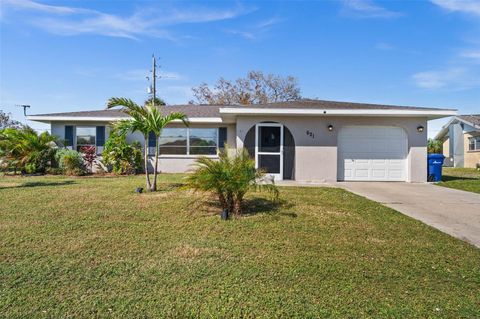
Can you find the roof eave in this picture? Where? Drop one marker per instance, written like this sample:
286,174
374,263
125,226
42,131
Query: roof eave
49,119
430,114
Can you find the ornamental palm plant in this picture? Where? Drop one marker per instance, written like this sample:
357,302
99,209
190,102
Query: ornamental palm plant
145,119
26,150
230,178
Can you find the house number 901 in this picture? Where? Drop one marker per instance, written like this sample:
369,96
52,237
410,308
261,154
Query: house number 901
311,134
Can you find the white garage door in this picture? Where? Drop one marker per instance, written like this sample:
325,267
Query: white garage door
372,153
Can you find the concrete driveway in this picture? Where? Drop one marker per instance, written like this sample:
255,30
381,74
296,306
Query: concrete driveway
452,211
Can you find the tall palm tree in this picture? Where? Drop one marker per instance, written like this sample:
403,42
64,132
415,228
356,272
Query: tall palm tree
156,122
137,123
145,119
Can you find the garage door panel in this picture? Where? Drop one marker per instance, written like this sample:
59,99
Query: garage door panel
361,173
372,153
378,173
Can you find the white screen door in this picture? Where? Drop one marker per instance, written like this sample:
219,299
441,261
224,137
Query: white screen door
269,149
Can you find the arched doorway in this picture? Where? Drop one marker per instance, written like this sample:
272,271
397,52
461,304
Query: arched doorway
272,146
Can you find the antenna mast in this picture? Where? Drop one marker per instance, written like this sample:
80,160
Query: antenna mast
25,106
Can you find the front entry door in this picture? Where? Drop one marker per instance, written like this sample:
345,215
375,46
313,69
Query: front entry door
269,149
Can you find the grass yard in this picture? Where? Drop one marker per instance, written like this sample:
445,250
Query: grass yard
91,247
467,179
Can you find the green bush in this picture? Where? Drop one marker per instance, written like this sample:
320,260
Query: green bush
120,157
22,149
230,178
70,162
434,146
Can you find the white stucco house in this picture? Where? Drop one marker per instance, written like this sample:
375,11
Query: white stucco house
461,141
306,140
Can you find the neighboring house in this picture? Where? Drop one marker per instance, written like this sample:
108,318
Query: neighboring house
306,140
461,141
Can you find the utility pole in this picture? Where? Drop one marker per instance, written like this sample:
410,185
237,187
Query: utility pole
154,80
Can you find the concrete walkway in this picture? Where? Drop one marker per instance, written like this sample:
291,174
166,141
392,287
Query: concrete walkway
452,211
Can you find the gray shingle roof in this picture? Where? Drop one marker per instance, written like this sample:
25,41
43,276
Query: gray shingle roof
192,110
473,119
189,110
326,105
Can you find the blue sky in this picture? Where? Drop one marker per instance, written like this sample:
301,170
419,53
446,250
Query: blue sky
73,55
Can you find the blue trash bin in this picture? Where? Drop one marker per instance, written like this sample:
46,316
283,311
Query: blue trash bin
435,163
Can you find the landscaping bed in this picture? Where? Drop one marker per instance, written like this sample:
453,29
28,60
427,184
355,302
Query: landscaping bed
92,247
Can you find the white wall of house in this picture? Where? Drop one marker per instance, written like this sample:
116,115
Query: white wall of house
167,163
316,156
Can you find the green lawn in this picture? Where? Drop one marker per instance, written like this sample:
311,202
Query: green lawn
467,179
91,247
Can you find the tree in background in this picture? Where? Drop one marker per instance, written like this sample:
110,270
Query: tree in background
6,121
158,101
434,146
255,88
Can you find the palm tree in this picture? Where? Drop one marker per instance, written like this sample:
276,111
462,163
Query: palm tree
26,150
229,178
145,119
137,123
156,122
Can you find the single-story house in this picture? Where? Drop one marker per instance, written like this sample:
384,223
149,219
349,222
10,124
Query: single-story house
306,140
461,141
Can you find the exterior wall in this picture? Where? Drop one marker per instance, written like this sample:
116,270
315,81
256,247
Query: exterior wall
471,158
446,148
166,163
457,145
316,156
183,163
58,129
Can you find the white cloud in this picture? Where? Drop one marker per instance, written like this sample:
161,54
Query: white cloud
256,31
464,6
63,20
367,9
452,78
269,22
32,5
474,55
384,46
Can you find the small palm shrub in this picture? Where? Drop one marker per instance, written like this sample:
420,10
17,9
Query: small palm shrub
22,149
120,157
229,178
70,162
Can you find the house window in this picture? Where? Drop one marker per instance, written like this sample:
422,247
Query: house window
189,141
173,141
203,141
86,136
474,143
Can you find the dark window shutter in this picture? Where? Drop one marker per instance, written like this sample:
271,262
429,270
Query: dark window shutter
68,135
151,139
222,137
100,135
